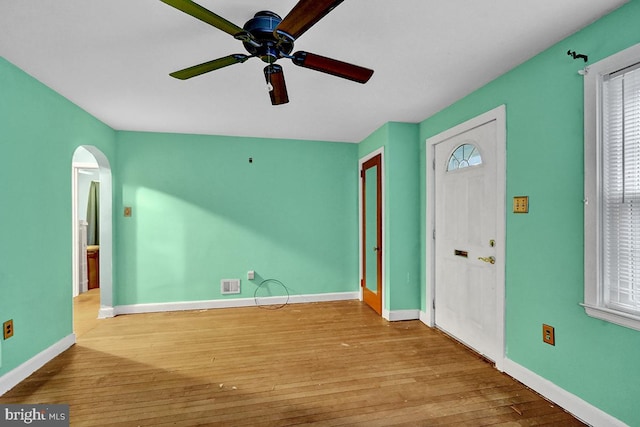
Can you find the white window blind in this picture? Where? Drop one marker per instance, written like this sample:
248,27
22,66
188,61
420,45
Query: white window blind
620,197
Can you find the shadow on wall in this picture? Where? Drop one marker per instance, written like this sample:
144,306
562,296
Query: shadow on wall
279,214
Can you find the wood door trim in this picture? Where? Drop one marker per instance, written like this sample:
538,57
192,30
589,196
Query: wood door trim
373,300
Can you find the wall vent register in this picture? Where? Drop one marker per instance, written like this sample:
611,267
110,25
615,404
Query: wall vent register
230,286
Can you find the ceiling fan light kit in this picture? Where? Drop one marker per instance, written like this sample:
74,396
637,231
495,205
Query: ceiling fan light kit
269,37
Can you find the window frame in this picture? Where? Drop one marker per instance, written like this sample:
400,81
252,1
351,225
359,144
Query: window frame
594,301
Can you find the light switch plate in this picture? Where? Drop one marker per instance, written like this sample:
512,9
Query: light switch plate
521,204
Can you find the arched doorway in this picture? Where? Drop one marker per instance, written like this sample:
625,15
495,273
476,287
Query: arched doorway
90,164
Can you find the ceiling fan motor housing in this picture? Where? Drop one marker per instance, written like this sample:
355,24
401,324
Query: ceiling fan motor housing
262,27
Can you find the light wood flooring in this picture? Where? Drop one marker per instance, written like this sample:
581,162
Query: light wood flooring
322,364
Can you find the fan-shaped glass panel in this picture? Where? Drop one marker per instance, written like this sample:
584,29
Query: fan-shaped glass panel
464,156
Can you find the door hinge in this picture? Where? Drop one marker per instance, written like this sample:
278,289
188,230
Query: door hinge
362,173
433,235
434,304
433,164
362,283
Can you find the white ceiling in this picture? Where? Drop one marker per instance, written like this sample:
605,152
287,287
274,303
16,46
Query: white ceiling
112,58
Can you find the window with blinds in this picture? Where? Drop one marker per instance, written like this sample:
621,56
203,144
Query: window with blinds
612,189
621,189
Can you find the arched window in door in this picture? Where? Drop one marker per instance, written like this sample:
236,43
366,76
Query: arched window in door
466,155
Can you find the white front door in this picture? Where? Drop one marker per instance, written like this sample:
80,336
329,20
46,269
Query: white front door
467,301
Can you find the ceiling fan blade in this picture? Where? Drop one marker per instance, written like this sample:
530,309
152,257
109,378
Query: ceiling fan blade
216,64
332,66
303,16
278,89
205,15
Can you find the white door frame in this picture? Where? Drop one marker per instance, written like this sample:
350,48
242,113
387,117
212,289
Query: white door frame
385,311
498,115
76,167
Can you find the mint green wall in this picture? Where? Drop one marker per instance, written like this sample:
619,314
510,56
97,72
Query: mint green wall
402,196
402,214
39,131
595,360
202,213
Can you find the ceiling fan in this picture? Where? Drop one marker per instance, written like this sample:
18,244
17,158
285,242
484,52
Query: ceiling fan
270,38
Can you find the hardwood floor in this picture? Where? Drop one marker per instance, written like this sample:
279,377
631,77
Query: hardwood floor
324,364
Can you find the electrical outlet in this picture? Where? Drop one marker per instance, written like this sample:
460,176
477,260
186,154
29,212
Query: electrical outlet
7,329
549,334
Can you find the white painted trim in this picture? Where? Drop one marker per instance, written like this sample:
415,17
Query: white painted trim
75,266
424,318
594,301
430,229
229,303
498,115
400,315
614,316
85,165
106,312
568,401
384,217
22,372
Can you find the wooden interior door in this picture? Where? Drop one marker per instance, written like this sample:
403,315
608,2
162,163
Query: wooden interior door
371,175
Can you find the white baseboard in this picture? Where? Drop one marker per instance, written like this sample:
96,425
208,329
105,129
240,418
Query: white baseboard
106,313
572,403
19,374
400,315
568,401
230,303
424,318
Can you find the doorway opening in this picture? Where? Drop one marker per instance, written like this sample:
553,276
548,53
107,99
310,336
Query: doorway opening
465,233
92,227
371,228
